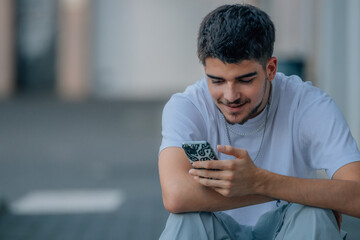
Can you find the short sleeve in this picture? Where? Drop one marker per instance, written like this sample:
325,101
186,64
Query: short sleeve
325,137
181,121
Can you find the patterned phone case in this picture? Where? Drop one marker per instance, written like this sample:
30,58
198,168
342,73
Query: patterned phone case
198,151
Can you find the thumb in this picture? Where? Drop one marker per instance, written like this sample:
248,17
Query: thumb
230,150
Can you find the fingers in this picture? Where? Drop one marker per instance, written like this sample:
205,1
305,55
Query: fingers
230,150
221,186
213,183
215,164
212,174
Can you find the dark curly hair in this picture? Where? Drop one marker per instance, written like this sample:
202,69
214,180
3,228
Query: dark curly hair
233,33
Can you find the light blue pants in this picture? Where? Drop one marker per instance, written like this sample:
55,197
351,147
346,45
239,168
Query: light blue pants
291,221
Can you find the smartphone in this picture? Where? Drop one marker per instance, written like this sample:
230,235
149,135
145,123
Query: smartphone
199,151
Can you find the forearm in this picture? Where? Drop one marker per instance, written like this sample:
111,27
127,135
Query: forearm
195,197
240,177
221,203
181,193
340,195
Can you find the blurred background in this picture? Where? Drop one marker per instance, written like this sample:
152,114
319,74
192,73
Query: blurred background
82,86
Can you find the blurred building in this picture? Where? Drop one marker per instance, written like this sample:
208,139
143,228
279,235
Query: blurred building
35,39
6,48
145,50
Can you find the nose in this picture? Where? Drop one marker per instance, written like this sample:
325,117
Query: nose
231,94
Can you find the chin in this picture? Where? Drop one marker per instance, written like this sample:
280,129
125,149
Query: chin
235,120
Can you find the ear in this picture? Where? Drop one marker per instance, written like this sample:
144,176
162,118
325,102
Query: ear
271,68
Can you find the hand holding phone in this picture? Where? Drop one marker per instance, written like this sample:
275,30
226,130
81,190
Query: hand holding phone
199,151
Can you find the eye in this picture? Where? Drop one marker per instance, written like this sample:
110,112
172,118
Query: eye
217,82
246,80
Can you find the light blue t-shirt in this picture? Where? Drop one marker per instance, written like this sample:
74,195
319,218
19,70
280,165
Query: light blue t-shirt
304,132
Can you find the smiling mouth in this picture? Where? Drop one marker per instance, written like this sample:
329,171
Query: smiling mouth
235,104
235,108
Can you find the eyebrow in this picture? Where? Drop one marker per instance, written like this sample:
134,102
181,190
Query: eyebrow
237,78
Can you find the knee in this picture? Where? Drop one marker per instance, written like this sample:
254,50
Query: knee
185,220
313,212
186,225
313,216
305,222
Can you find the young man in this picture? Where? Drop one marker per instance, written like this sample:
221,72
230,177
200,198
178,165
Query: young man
272,134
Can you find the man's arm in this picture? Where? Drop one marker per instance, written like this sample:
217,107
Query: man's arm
241,176
181,193
341,193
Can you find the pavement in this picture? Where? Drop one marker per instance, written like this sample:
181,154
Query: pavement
51,146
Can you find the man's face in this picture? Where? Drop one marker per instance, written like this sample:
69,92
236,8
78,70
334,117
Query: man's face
239,90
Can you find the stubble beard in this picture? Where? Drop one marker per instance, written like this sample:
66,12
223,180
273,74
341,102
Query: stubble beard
253,112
